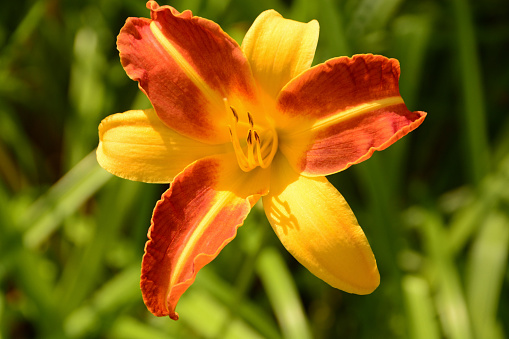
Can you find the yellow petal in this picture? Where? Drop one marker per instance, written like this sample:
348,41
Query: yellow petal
279,49
136,145
316,225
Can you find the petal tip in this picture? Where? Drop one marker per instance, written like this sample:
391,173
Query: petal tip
363,283
152,5
370,285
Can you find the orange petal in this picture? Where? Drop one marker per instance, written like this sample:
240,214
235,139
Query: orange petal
136,145
316,225
186,65
338,113
196,217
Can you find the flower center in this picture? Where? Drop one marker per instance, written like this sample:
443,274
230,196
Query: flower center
260,145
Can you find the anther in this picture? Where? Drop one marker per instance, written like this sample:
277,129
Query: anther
235,114
250,150
249,137
251,156
250,118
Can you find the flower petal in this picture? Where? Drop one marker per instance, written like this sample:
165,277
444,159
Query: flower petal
316,225
136,145
279,49
338,113
196,217
186,65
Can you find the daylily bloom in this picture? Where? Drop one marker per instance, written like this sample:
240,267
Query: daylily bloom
232,124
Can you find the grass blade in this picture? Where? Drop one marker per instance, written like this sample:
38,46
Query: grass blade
421,313
450,300
473,97
280,287
486,273
65,197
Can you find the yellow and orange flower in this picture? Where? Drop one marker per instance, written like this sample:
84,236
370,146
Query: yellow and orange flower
231,124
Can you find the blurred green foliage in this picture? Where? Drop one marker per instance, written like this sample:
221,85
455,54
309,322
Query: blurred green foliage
435,206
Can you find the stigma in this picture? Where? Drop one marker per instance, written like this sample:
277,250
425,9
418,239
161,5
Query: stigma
259,145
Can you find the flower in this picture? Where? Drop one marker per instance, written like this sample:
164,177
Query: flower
231,125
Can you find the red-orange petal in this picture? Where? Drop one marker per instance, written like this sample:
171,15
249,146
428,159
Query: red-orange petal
186,65
338,113
196,217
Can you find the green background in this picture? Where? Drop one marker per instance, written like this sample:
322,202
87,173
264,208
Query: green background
434,206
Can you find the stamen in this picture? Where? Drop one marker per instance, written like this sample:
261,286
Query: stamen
249,137
250,118
241,158
235,114
239,153
259,151
257,137
250,149
249,161
272,151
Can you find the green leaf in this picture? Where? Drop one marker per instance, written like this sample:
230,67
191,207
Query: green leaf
332,33
249,311
421,313
62,199
370,15
466,221
473,112
115,295
84,268
126,327
278,282
486,273
450,300
211,319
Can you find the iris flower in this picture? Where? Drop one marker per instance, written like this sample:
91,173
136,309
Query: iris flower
232,124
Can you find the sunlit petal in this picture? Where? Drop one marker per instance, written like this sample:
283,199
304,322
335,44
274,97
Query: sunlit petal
196,217
338,113
186,65
316,225
279,49
136,145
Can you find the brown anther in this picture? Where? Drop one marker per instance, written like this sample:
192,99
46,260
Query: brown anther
249,137
257,137
235,114
250,118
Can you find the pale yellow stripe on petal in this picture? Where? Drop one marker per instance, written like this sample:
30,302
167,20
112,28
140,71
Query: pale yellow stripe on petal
222,199
334,119
356,111
189,71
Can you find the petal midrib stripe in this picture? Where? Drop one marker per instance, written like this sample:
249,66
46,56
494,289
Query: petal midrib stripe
350,113
222,199
185,66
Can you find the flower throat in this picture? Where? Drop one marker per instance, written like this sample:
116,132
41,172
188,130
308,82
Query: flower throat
259,148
